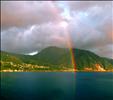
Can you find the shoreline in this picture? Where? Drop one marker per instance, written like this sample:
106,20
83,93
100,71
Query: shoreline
52,71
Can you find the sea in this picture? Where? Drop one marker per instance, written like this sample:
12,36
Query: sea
56,86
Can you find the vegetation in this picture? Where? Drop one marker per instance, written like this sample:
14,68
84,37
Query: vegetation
54,58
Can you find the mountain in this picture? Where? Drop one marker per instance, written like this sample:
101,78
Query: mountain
9,57
54,56
59,58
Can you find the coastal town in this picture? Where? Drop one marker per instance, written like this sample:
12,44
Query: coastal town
12,67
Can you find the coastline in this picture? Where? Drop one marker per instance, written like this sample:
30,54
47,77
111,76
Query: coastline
53,71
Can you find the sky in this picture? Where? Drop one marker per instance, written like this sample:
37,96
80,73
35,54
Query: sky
27,27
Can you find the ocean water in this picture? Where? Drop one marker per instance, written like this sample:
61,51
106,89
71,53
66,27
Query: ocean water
57,86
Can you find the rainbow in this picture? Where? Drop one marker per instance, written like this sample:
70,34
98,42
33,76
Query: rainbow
73,59
68,37
70,46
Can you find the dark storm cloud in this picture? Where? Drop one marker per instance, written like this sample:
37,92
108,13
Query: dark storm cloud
31,26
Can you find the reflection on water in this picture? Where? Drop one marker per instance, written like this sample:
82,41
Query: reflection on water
56,86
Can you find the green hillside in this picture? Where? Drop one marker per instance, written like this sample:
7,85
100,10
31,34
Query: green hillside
8,57
56,58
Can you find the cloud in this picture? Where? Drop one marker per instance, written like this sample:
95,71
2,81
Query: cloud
85,5
102,50
91,27
33,38
24,13
28,26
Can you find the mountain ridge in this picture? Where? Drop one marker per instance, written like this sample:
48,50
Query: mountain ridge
59,58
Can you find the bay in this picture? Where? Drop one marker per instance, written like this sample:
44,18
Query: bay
57,86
